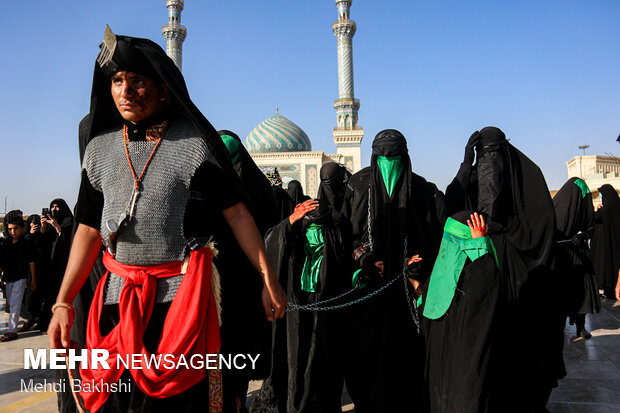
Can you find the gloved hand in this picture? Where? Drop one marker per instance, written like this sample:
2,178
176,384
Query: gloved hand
469,149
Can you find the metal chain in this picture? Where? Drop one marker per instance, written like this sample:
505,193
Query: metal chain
369,226
292,306
295,307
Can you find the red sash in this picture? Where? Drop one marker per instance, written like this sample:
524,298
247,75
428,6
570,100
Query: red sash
191,326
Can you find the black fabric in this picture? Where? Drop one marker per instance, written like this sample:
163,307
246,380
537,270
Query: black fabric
41,298
522,230
245,329
606,240
386,356
16,259
574,226
257,187
284,203
308,347
334,180
296,192
460,343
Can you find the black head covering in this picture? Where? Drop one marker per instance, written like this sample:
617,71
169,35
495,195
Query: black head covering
334,179
64,210
147,58
389,142
296,192
609,196
507,186
33,218
491,139
395,216
573,211
257,186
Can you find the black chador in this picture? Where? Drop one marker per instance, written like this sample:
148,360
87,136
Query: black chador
574,225
459,308
296,192
511,192
334,180
245,329
606,240
312,259
393,217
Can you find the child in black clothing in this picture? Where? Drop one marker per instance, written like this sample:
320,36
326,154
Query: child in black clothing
17,258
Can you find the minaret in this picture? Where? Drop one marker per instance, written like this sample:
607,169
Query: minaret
174,33
347,135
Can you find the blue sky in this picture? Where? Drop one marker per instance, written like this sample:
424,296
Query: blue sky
545,72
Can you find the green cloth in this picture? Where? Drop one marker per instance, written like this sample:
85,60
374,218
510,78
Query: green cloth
391,169
314,257
456,246
583,186
233,147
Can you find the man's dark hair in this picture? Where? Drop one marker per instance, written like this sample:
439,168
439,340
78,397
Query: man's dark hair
15,220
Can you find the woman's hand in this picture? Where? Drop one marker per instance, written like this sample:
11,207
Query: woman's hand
477,226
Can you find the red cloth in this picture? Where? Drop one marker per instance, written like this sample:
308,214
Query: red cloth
191,326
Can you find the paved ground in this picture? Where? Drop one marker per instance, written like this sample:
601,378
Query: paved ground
592,384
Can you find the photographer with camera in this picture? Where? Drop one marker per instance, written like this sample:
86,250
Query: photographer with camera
56,228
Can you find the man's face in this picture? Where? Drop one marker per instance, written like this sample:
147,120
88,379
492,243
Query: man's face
137,97
55,209
15,231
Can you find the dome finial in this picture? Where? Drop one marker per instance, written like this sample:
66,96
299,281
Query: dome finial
277,109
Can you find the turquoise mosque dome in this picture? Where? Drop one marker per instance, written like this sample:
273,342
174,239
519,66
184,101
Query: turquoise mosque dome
277,134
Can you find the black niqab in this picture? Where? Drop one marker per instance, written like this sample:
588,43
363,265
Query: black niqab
334,180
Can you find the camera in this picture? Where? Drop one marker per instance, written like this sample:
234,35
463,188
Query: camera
45,212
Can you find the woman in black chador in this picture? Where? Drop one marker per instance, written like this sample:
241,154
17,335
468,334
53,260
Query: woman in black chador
245,330
512,195
574,215
393,218
310,253
459,308
606,240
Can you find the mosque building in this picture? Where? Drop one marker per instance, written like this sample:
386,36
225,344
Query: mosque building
277,141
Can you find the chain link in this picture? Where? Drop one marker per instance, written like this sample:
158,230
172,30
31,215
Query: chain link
315,307
411,302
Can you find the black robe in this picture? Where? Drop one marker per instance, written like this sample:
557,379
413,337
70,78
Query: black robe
245,329
386,357
306,366
606,240
459,344
574,225
522,229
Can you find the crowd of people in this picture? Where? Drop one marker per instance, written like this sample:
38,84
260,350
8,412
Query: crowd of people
33,257
407,295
